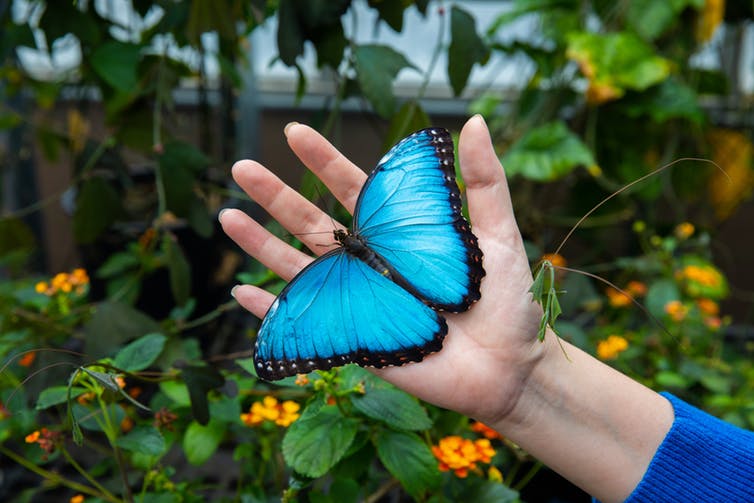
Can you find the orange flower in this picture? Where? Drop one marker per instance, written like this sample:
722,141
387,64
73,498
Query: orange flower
555,259
126,424
713,322
64,282
610,348
636,288
708,306
461,454
684,230
302,380
616,298
32,437
269,409
485,430
706,276
676,310
79,498
27,359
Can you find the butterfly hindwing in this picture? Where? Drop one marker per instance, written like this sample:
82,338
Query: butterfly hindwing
339,310
409,212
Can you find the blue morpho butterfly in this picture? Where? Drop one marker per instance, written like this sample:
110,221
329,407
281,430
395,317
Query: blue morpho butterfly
374,300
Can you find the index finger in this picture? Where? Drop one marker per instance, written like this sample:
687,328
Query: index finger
341,176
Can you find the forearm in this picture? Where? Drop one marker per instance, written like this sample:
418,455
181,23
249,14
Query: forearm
593,425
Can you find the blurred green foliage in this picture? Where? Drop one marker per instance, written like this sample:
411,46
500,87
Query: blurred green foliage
104,399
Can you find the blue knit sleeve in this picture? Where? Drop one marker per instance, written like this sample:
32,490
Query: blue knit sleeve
701,459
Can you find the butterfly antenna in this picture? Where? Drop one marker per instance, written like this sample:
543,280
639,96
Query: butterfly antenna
33,374
623,292
628,186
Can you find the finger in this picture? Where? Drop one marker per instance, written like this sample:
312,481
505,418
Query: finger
254,299
341,176
283,259
294,212
486,187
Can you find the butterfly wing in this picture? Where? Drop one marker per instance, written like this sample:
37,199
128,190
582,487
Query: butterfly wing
409,212
339,310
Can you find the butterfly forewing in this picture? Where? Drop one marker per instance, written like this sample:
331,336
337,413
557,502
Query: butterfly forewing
409,212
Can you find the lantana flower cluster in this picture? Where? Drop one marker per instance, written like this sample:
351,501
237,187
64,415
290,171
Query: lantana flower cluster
270,409
76,281
459,454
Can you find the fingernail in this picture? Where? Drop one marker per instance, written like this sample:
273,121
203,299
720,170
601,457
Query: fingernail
288,126
233,291
220,215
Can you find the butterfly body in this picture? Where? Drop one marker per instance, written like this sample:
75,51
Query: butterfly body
376,299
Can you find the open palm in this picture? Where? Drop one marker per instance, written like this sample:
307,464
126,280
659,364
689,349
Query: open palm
489,349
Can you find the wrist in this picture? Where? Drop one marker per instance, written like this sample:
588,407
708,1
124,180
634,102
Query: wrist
595,426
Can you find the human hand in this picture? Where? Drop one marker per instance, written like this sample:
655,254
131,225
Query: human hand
491,349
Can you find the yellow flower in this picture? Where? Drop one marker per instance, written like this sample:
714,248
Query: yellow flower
269,409
461,454
703,275
610,348
734,153
494,475
709,19
64,282
676,310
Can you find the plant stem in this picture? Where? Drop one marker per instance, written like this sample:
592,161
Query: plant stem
529,475
110,496
57,478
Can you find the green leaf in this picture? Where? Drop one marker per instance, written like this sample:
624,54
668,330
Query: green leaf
289,35
390,11
617,61
140,353
177,392
466,48
547,153
97,207
376,68
180,164
112,324
670,379
659,294
493,492
211,16
650,18
116,63
118,263
200,381
409,118
670,99
201,441
315,442
409,459
143,440
394,407
179,269
55,395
